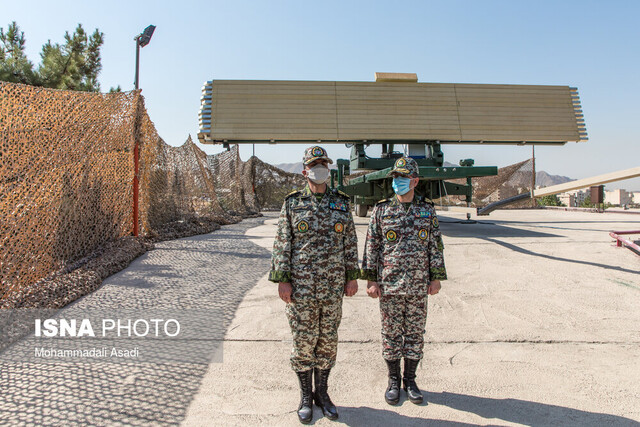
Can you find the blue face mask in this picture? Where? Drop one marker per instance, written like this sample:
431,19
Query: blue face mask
401,185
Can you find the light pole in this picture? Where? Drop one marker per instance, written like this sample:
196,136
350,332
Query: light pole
141,41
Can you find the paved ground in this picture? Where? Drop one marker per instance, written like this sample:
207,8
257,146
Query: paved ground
538,324
206,273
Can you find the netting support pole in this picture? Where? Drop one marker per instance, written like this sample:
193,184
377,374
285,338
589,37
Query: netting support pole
533,175
136,169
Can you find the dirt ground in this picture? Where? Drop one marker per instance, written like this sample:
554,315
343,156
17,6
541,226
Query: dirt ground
538,324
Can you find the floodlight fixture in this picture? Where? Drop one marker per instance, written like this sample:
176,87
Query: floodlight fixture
145,37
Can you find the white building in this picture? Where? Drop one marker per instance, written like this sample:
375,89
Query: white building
618,197
635,197
567,199
574,198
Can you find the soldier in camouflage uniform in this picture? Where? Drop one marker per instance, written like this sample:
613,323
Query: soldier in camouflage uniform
315,262
403,263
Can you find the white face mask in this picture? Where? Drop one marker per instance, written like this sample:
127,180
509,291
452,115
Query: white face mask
318,174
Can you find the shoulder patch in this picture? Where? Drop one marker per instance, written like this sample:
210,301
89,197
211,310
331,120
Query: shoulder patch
343,194
293,193
382,201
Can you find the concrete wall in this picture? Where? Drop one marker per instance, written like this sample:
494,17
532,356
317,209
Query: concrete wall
617,197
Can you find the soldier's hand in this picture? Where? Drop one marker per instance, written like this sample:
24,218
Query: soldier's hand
351,288
434,287
373,289
284,290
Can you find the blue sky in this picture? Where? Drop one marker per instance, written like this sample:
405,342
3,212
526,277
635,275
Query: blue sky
592,45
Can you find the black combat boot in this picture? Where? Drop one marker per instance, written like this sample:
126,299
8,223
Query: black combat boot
320,396
305,410
392,395
409,379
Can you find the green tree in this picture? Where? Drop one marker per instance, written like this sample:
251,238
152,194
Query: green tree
550,200
14,65
586,203
73,65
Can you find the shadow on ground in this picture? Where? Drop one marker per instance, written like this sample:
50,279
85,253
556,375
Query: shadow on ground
528,252
524,411
456,228
207,273
494,411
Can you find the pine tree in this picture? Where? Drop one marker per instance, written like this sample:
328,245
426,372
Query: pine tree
74,65
14,65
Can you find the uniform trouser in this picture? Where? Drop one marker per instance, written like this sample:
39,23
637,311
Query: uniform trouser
314,325
403,325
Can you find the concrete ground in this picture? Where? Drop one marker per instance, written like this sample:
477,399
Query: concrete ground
538,324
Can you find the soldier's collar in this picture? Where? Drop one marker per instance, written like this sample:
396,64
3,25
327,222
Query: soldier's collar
308,193
395,201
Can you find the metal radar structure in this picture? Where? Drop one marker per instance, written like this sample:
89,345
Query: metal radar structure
395,110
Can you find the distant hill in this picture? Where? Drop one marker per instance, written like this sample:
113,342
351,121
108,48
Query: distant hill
543,179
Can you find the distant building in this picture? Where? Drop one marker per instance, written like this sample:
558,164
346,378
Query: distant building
618,197
581,196
573,198
567,199
635,197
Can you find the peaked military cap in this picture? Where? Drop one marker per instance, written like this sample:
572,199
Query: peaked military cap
405,166
314,153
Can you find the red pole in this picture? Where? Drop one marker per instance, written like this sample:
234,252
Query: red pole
620,241
136,166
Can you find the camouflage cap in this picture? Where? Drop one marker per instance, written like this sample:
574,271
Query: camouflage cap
405,166
314,153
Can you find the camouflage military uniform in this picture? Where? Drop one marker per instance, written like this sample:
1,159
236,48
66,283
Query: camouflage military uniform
316,251
403,252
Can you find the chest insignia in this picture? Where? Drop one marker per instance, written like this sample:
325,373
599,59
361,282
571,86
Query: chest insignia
339,227
391,236
423,234
435,222
303,226
301,206
392,216
423,214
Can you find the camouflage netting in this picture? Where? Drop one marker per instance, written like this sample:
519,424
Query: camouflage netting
233,181
511,181
252,186
272,184
66,193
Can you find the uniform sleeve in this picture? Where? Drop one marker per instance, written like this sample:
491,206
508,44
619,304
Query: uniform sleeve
281,254
351,250
372,248
437,270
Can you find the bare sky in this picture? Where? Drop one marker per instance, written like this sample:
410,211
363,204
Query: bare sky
592,45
